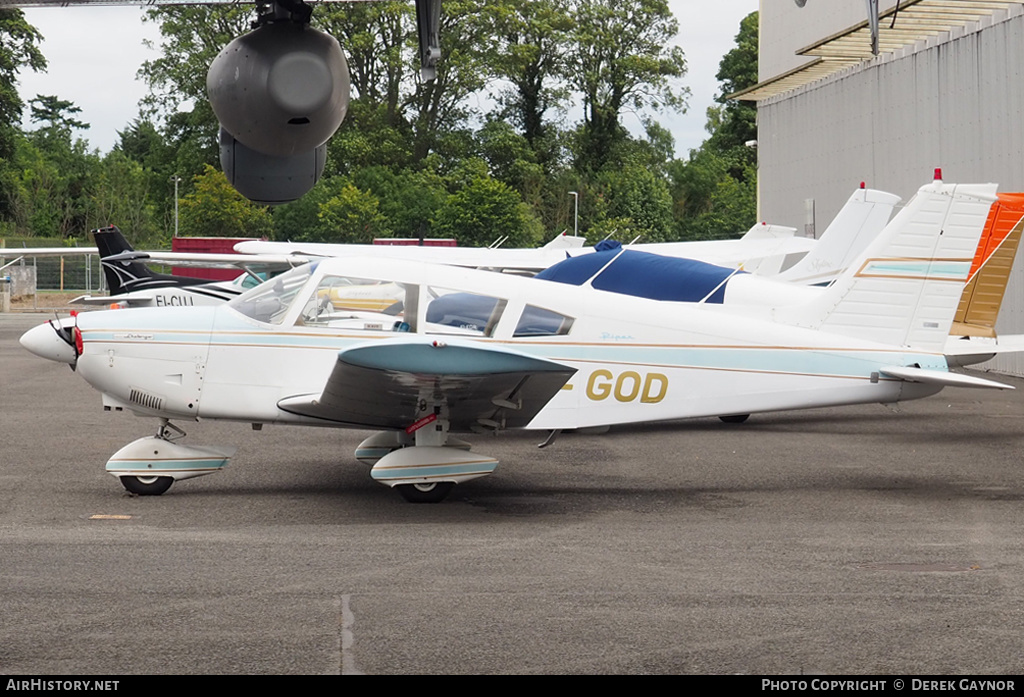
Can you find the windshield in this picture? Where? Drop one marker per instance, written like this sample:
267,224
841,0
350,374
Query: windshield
269,302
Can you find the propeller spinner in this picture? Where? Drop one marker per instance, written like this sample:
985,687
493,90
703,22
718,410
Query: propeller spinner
57,340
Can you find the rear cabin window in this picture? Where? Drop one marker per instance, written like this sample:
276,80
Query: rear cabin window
451,312
536,321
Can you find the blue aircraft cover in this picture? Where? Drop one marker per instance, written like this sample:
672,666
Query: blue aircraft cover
644,275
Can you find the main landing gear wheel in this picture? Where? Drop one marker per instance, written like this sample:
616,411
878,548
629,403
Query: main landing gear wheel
146,486
734,418
434,492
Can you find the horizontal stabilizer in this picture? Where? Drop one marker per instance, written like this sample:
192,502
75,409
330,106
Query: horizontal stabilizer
968,350
99,300
764,231
939,377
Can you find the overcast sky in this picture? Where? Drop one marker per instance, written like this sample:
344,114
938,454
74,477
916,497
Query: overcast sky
95,52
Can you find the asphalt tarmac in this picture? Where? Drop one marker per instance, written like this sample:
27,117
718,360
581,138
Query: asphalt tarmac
855,541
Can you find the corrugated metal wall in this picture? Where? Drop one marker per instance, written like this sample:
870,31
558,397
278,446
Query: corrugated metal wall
956,103
786,28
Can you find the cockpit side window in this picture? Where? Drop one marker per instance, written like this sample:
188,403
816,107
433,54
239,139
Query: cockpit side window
269,302
536,321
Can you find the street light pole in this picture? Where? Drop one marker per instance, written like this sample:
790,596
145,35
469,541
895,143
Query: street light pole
175,179
576,216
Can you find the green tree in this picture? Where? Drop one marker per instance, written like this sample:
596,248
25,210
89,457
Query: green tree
35,199
142,143
214,209
440,106
532,40
715,192
408,199
120,195
351,216
192,38
734,122
621,57
366,139
484,210
376,37
294,221
18,50
55,171
639,201
711,203
55,114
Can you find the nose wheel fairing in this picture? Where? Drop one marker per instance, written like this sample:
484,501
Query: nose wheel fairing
429,464
154,456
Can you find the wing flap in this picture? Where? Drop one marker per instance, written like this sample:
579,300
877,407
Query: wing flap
381,385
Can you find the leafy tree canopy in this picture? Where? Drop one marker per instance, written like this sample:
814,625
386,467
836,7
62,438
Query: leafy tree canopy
214,209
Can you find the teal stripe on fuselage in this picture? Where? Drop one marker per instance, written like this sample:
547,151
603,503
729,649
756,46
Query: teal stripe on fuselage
235,331
937,269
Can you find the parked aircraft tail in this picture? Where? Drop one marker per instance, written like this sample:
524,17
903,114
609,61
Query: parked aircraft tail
905,287
857,224
125,274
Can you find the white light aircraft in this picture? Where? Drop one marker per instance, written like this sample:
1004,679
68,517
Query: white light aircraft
764,247
295,350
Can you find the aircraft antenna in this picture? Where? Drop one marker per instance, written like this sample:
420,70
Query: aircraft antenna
724,281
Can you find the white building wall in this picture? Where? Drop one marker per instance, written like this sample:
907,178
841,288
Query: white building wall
956,102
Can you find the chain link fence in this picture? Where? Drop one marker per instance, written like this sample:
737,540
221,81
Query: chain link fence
76,272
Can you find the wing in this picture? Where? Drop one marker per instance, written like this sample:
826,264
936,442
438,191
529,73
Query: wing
242,262
381,385
9,252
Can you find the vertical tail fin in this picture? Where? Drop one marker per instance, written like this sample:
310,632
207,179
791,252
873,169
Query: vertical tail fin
121,276
990,271
125,274
856,225
905,287
110,241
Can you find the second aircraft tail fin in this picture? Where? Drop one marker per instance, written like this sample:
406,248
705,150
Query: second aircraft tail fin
904,289
856,225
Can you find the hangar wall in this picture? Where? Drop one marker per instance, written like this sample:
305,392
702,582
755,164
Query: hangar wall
786,28
955,102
